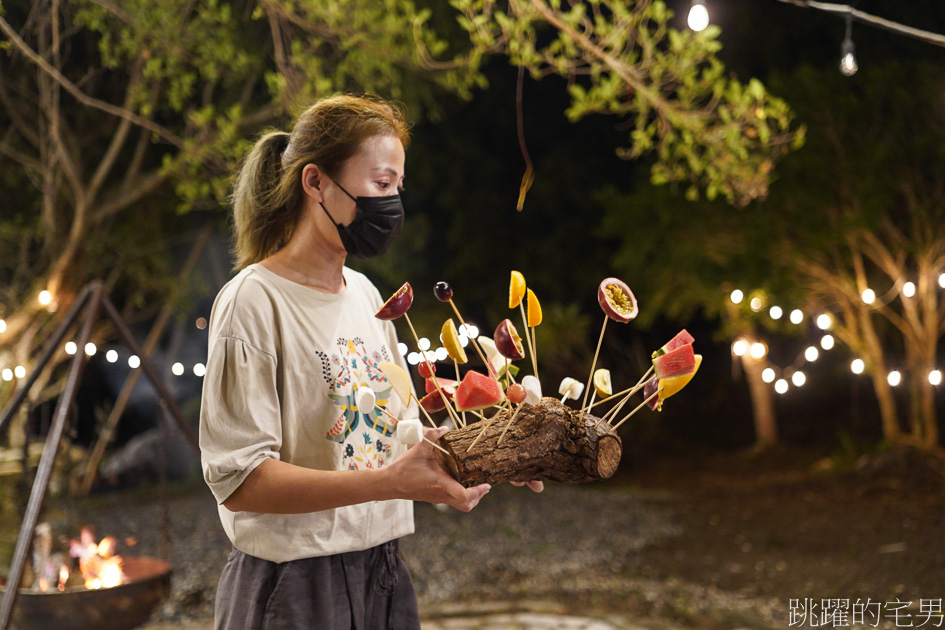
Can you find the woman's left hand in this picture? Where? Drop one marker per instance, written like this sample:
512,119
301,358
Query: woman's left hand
535,486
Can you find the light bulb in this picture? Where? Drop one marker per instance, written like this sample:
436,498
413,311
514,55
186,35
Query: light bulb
177,369
111,356
442,354
3,326
941,283
775,312
894,378
824,321
847,58
698,16
797,316
781,386
402,348
71,348
200,369
413,358
756,304
758,350
826,342
768,375
20,371
45,297
908,289
935,377
869,296
811,354
424,344
134,362
798,379
857,366
738,296
740,347
90,349
7,374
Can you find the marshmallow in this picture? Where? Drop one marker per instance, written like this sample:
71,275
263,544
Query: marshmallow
571,388
365,399
410,431
532,389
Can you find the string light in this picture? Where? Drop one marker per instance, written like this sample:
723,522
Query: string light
111,356
857,366
824,321
781,386
935,377
826,342
200,369
402,349
758,350
775,312
908,289
698,18
3,326
756,304
45,297
71,348
413,358
941,282
7,374
768,375
177,369
797,316
740,347
442,354
737,295
894,378
90,349
798,379
134,362
847,58
424,344
869,296
811,354
20,371
469,330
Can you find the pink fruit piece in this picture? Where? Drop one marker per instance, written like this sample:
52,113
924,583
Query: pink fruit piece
433,402
682,338
447,385
677,362
617,300
651,387
398,304
507,341
516,393
477,391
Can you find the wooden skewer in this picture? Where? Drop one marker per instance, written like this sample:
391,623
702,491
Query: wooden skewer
435,445
630,391
511,420
432,424
473,342
590,379
639,407
449,408
528,338
485,425
388,414
456,367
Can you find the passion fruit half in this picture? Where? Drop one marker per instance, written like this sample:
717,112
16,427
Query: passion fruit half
617,300
398,304
507,341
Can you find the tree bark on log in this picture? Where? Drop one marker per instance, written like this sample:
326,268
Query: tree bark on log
547,442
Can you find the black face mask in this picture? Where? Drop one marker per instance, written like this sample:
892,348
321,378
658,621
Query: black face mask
377,223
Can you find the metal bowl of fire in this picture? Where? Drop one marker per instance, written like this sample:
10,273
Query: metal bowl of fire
108,592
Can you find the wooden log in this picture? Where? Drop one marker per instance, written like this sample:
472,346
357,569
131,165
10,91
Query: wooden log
547,442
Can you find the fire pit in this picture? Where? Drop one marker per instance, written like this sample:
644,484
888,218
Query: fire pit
120,607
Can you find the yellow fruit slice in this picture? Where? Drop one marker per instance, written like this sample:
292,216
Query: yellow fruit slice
398,380
451,342
516,289
673,384
534,309
602,383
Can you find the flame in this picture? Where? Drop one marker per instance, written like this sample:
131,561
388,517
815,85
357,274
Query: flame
63,577
99,565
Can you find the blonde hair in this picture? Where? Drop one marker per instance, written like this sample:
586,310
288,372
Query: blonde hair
268,195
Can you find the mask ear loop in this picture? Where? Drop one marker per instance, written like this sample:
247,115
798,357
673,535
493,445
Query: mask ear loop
345,192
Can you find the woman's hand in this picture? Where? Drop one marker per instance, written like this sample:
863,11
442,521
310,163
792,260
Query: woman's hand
416,475
535,486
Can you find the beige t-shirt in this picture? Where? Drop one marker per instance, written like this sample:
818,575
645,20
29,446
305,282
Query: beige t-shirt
285,362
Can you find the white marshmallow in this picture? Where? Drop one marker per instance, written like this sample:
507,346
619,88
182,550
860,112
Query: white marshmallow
571,388
532,389
410,431
365,399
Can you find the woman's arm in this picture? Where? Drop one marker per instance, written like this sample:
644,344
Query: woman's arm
277,487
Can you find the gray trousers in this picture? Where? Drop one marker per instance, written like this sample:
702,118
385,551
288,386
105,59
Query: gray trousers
359,590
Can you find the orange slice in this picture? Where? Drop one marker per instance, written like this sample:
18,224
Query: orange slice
534,309
452,343
516,289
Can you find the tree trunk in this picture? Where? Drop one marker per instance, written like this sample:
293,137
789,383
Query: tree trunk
762,405
547,442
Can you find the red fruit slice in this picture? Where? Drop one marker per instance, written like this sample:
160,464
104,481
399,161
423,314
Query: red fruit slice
507,341
448,386
477,391
652,386
617,300
682,338
433,402
675,363
397,304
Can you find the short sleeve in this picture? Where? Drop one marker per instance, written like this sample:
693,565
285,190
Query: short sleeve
240,419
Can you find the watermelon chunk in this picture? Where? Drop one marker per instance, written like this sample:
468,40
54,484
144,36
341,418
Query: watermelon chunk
433,402
676,362
447,385
477,391
682,338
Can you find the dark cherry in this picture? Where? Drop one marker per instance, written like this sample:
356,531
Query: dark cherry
443,291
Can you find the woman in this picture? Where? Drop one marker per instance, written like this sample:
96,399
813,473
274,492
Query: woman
312,491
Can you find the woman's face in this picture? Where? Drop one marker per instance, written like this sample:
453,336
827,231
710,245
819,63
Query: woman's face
376,170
